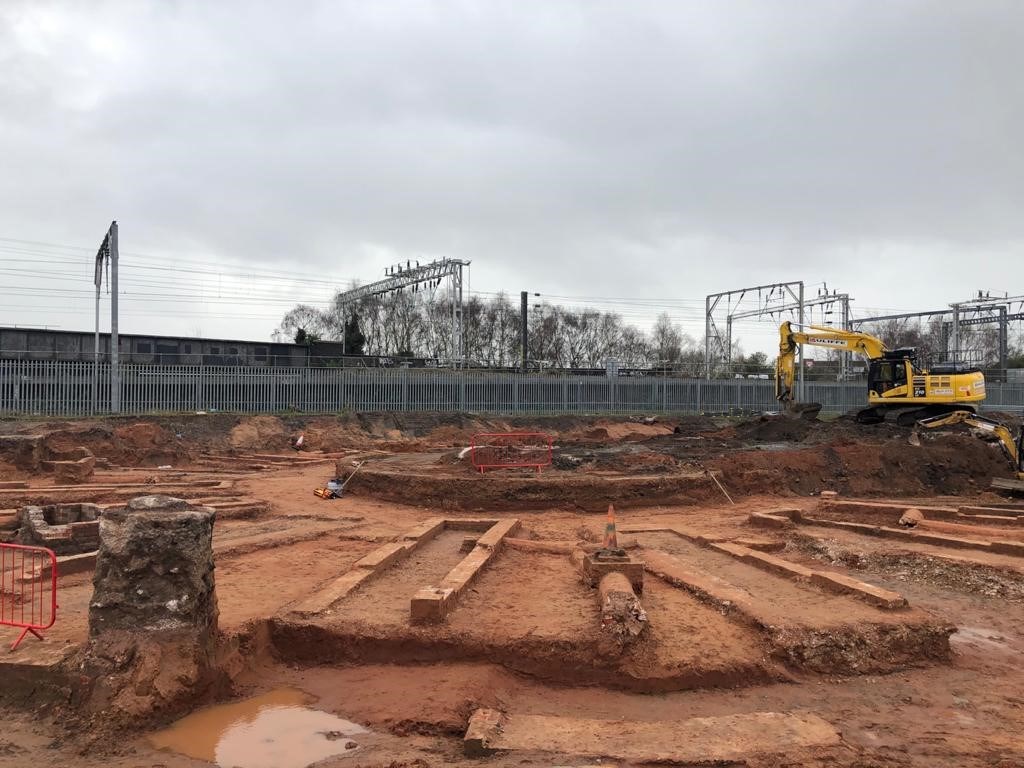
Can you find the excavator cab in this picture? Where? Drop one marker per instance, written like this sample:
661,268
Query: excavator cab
1020,455
891,371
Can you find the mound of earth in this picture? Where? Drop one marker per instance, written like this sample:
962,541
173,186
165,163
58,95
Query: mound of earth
774,429
143,435
696,425
259,433
943,464
131,444
627,431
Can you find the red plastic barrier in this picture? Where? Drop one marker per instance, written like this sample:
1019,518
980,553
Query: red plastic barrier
28,594
502,450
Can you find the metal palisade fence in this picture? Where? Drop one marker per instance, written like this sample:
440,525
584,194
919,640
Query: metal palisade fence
68,388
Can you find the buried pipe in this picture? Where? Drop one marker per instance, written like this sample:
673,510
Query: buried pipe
622,615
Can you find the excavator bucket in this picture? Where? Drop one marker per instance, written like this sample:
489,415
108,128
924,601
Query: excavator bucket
805,411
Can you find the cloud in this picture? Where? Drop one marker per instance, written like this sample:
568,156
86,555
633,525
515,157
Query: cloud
577,148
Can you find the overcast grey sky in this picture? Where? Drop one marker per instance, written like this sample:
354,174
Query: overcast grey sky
635,151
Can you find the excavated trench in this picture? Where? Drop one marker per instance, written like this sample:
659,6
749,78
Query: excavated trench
502,621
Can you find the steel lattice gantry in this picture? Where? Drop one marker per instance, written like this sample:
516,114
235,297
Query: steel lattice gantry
719,347
414,275
981,310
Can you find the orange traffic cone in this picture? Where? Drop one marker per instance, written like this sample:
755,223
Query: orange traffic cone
611,539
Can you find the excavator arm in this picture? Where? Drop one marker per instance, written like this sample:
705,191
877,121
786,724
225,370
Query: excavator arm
1013,449
816,336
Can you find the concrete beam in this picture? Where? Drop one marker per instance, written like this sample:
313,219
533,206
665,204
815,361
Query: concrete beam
431,605
846,585
896,508
765,520
828,580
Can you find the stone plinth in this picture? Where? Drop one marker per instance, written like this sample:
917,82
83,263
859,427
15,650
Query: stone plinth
154,570
596,565
152,619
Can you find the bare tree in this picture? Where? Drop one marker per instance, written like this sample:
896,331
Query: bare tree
310,319
546,338
420,324
666,341
635,350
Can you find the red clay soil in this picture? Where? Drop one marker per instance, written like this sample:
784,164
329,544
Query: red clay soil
531,613
155,440
456,488
851,457
965,713
812,629
519,639
954,464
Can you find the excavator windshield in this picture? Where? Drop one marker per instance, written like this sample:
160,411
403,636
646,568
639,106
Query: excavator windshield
889,372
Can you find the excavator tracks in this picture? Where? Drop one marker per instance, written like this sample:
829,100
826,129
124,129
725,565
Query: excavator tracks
908,416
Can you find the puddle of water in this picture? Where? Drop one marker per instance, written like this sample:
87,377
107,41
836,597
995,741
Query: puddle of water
979,637
773,446
275,730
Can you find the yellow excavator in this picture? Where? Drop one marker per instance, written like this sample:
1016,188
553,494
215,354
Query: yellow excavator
897,388
988,428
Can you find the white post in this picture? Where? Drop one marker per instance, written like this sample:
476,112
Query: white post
115,373
96,344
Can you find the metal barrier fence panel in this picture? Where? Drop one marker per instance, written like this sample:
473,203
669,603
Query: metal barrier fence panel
73,388
503,450
28,589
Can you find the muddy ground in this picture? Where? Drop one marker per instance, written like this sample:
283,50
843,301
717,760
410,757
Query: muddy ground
522,640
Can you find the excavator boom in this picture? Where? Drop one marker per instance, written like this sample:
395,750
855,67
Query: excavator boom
790,341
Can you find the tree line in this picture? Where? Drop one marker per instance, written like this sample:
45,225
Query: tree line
979,344
407,324
411,325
